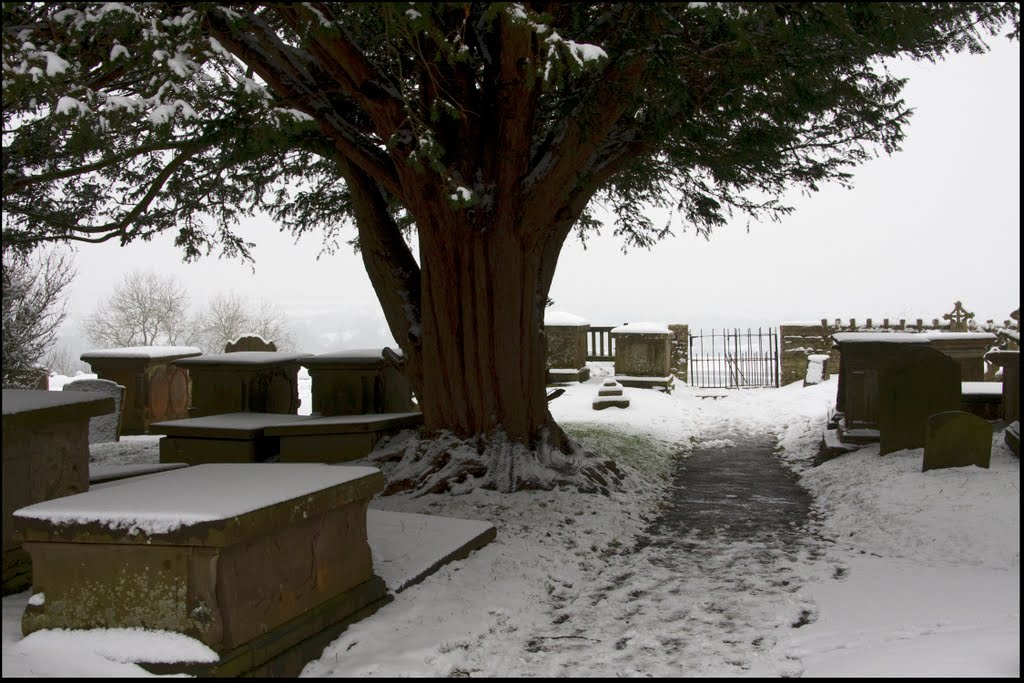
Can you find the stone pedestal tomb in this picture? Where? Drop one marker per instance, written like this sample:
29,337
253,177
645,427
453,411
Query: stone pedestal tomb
967,349
1009,361
917,384
862,356
155,390
45,455
643,356
257,575
567,347
244,381
356,382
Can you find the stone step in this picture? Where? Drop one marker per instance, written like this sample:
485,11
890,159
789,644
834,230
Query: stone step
610,402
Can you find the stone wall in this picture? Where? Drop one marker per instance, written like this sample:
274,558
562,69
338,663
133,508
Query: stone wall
802,339
797,342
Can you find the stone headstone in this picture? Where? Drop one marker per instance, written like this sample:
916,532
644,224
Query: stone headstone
251,342
957,439
918,383
102,428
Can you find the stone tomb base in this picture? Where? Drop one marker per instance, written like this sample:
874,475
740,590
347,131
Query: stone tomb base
262,577
338,438
658,383
228,438
258,437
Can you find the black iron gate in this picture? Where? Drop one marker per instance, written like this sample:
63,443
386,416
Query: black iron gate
734,359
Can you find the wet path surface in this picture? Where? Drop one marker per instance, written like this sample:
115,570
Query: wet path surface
738,489
714,583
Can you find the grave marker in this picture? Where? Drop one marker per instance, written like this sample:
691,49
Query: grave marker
102,428
918,383
957,439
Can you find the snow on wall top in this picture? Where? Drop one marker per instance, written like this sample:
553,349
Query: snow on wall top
562,319
143,352
642,328
959,335
161,503
894,337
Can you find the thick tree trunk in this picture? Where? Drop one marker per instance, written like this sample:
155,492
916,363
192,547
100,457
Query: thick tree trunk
483,351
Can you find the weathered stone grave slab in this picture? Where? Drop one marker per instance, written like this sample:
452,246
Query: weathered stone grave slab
45,455
102,428
357,381
610,388
338,438
155,390
643,356
254,575
957,439
567,347
256,381
409,547
919,383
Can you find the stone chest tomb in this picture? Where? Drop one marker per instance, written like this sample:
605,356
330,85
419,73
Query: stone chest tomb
251,575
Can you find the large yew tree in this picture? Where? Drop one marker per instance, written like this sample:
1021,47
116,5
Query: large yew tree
487,129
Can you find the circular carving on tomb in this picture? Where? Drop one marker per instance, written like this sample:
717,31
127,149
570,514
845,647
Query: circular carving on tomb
279,395
178,391
159,394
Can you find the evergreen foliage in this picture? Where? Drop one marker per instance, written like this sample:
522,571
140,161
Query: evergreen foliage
33,309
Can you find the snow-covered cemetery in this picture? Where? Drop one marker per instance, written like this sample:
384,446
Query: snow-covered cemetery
532,457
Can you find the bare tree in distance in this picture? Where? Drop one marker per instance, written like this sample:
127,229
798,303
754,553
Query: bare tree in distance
62,360
145,309
33,308
230,315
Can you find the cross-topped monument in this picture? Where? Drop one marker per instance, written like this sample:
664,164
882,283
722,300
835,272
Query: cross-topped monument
958,318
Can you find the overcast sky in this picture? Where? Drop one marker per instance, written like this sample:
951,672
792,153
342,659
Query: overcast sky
933,224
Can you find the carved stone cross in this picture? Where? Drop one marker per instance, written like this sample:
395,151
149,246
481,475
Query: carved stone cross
958,318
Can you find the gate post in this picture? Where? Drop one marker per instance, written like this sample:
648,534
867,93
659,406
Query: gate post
680,351
800,340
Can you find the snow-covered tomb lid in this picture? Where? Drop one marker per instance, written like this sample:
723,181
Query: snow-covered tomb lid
244,358
162,503
642,328
893,337
563,319
143,352
66,404
343,357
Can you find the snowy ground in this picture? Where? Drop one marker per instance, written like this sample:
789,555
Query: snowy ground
905,573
